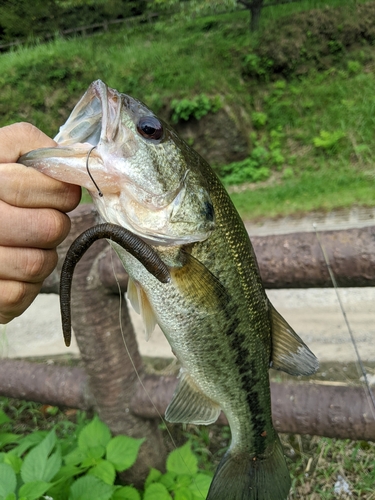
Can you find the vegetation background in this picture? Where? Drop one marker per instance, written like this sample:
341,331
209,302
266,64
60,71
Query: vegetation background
288,110
285,115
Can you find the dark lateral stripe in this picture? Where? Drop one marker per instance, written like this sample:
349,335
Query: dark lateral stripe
249,378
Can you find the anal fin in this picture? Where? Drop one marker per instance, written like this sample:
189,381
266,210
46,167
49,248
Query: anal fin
190,405
142,306
289,353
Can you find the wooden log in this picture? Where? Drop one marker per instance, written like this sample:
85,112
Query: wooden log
320,408
286,261
48,384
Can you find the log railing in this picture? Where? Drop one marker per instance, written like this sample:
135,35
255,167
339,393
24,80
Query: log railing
108,382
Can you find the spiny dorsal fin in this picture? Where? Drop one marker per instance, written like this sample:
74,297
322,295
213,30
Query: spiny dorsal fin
197,282
189,405
289,353
142,306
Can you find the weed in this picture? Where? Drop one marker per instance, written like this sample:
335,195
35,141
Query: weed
197,107
328,141
73,467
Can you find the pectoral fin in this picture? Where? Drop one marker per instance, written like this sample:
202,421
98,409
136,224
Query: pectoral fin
190,406
142,306
289,353
195,281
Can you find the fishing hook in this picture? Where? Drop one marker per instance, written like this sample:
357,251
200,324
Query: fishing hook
90,175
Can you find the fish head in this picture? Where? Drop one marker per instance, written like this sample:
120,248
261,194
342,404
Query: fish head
140,174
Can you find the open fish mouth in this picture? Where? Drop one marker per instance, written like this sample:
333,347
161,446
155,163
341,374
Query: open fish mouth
133,165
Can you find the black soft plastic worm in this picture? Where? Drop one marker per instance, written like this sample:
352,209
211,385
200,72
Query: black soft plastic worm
127,240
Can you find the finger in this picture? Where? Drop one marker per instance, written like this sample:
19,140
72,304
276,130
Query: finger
15,298
25,187
19,138
32,227
31,265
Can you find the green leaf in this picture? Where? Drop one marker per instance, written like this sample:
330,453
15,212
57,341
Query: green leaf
153,476
8,480
8,438
90,487
126,493
183,494
66,472
34,489
38,466
11,496
14,461
122,451
76,457
94,434
29,441
105,471
200,485
156,491
169,480
182,461
3,417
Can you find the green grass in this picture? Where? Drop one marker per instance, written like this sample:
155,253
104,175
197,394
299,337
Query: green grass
188,57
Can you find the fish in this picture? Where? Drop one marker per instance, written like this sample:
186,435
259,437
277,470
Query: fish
213,310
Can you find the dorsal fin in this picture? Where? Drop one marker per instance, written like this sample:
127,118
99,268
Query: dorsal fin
189,405
289,353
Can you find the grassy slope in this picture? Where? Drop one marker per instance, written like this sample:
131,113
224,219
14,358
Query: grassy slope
157,63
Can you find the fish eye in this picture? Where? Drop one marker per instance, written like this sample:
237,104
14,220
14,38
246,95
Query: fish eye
149,127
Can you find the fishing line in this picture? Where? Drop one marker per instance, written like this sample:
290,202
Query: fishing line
361,365
90,175
137,373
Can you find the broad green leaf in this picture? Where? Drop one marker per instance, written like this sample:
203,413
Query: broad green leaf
53,465
67,471
28,442
37,466
200,485
157,491
105,471
184,494
75,457
182,461
153,476
34,490
96,452
8,437
169,480
2,457
122,451
126,493
8,480
183,480
3,417
90,488
14,461
11,496
96,433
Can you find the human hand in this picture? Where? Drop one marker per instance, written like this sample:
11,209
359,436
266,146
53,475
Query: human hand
32,219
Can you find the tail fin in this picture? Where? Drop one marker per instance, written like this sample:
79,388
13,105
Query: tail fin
241,476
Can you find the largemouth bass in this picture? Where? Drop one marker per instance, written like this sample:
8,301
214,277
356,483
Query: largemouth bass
214,310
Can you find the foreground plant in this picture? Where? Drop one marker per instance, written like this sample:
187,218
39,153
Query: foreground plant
42,465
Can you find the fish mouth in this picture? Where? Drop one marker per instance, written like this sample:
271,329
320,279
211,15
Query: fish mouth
98,148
